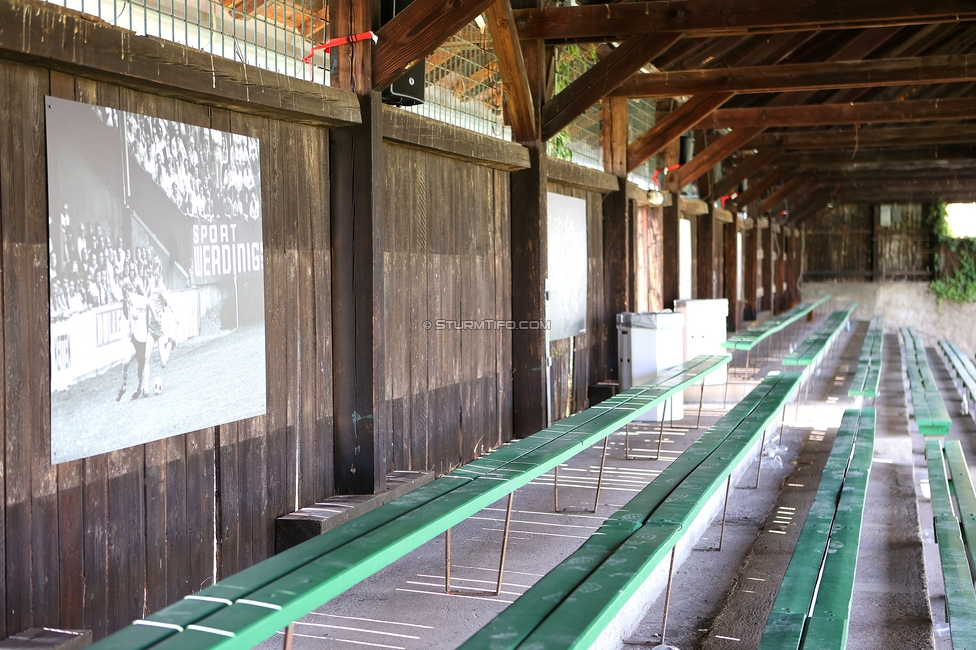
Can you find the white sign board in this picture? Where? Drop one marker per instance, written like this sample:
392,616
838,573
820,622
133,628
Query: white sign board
568,263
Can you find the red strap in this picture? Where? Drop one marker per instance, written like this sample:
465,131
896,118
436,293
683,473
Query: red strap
335,42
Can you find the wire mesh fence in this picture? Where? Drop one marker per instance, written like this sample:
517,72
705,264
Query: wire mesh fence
640,118
464,85
580,141
270,35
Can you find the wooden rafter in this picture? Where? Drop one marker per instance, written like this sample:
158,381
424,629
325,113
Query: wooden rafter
417,31
804,76
715,153
747,168
601,79
857,138
763,185
729,17
671,127
828,114
518,96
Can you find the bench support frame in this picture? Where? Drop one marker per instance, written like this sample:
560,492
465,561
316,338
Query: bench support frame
501,562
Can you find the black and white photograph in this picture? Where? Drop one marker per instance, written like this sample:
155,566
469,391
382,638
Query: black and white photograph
156,278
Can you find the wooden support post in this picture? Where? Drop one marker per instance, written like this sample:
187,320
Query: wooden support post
779,274
750,256
877,250
767,267
618,220
670,258
529,215
529,268
356,175
730,241
706,256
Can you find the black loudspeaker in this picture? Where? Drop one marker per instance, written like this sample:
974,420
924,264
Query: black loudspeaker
408,90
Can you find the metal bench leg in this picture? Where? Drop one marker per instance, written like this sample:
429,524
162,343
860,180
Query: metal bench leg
599,481
782,424
555,489
701,403
762,445
501,561
289,636
660,434
725,398
725,511
667,594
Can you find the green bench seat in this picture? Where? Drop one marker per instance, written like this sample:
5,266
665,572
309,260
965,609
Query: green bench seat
820,575
250,606
955,550
962,367
571,605
867,377
752,337
812,349
931,415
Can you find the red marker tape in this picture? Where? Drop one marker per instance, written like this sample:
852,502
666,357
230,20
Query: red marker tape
335,42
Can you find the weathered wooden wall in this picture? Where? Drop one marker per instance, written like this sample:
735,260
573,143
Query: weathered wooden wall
447,396
98,542
648,260
576,361
850,242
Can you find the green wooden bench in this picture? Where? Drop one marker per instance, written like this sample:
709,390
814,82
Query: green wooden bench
931,415
962,367
813,605
753,336
812,349
250,606
572,604
867,377
955,550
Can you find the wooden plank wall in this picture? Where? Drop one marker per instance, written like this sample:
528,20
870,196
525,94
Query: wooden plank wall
98,542
840,244
648,260
447,394
576,361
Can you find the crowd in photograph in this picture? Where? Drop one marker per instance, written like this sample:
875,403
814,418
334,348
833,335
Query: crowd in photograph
206,173
90,264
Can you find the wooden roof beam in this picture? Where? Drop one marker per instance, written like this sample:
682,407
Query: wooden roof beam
728,17
415,32
511,65
804,76
594,84
829,114
858,138
670,128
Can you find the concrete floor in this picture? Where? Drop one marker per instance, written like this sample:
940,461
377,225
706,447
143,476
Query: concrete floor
720,598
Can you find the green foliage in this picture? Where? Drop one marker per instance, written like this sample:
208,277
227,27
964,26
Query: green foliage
957,284
558,146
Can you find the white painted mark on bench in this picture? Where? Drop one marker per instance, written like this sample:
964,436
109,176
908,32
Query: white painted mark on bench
727,638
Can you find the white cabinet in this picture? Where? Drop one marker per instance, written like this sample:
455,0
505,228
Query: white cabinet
648,343
705,330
